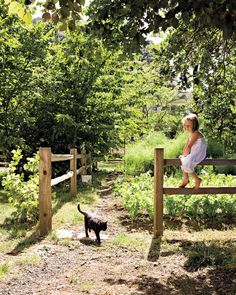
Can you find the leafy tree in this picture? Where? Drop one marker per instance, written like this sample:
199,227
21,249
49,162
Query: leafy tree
66,90
104,96
205,65
23,194
131,20
22,54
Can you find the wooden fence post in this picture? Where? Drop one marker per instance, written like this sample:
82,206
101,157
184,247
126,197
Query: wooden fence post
73,167
158,191
45,203
83,162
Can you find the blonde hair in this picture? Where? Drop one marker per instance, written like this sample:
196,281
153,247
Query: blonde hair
193,118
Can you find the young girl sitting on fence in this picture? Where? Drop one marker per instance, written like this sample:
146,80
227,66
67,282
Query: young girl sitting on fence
194,150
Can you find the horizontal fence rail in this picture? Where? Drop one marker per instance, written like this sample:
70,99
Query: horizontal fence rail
160,190
81,170
214,162
58,157
62,178
201,191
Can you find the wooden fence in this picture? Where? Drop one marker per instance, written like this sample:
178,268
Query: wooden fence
159,190
46,181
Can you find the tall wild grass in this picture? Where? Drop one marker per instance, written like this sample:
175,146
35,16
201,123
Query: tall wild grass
140,156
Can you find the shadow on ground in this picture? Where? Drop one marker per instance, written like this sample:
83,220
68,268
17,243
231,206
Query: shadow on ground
141,223
25,243
89,242
154,249
219,222
218,282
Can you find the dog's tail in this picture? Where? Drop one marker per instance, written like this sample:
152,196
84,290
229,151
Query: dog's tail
78,207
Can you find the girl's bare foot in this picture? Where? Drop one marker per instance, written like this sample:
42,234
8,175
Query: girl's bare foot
197,183
184,183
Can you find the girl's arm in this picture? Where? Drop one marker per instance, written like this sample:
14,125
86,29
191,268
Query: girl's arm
184,153
190,143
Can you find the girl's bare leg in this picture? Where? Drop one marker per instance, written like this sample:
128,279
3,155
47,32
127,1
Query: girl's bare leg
185,180
197,179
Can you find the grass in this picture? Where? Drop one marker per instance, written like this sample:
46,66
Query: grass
65,207
28,260
129,242
140,156
10,235
216,249
84,287
202,235
111,166
214,254
73,279
6,210
66,216
202,248
4,268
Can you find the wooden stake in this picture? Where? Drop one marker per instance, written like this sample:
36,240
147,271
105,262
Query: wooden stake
158,191
84,161
45,203
73,167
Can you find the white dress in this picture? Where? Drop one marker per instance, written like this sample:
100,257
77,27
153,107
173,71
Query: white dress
197,155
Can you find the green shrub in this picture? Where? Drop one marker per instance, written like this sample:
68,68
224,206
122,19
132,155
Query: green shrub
214,149
226,169
23,194
169,124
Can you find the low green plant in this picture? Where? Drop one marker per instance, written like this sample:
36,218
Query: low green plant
203,206
23,194
4,268
137,194
86,286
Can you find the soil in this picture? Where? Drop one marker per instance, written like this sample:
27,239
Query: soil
80,266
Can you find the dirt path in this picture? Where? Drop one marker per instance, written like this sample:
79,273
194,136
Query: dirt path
128,262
